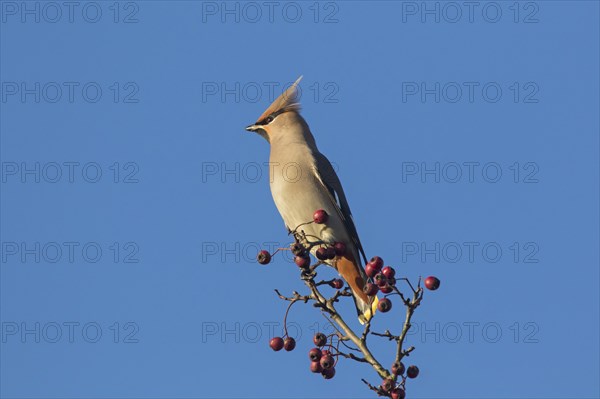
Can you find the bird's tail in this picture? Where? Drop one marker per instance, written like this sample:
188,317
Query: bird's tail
366,311
354,275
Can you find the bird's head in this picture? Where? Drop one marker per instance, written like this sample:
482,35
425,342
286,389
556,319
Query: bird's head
281,114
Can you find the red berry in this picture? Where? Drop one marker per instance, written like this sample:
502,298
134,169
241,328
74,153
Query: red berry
315,367
398,393
387,384
384,305
412,371
374,266
391,281
328,373
380,279
321,253
314,354
377,262
326,361
371,270
337,283
302,261
320,339
386,289
330,252
320,216
388,272
276,343
263,257
398,368
370,289
289,344
432,283
340,248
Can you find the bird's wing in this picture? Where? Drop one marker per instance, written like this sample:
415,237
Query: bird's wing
327,176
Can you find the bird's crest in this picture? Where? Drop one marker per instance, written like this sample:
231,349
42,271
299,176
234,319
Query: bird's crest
287,101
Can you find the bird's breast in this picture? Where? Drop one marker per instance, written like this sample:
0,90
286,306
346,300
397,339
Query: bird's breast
298,193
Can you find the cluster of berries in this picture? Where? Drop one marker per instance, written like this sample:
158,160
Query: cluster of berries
321,360
384,279
380,279
301,255
324,252
390,388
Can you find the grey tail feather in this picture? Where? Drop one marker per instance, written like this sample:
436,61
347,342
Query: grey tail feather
363,309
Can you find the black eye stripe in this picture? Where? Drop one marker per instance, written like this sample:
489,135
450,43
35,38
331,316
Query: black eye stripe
264,121
269,118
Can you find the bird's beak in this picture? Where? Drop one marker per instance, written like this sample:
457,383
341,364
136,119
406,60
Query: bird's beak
251,128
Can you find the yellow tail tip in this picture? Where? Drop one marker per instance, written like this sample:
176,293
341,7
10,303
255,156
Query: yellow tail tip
368,315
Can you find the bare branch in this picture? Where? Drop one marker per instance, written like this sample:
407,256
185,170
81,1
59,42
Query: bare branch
353,357
379,391
296,297
343,332
410,309
387,334
347,331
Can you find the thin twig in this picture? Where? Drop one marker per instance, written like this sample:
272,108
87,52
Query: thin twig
296,297
410,309
386,334
353,357
348,346
323,282
379,391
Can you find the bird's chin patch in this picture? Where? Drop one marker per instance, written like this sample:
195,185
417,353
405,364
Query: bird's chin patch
262,133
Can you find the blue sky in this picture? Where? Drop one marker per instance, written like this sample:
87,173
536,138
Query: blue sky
133,201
